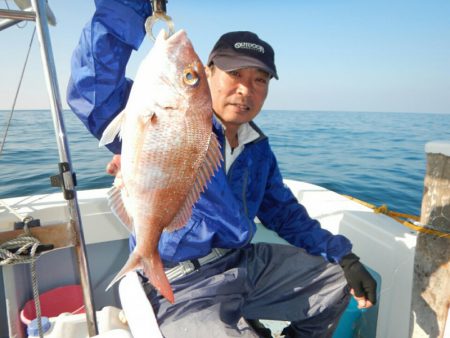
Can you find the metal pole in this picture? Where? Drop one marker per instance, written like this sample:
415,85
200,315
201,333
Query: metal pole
13,17
64,155
17,15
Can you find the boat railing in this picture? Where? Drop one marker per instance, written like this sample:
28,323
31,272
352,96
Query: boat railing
39,12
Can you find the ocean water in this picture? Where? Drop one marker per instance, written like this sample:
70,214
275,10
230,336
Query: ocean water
376,157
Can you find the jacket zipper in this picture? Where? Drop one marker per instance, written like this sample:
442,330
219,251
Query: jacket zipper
244,200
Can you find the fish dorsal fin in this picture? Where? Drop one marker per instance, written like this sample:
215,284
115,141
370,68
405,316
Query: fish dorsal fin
206,170
112,130
115,197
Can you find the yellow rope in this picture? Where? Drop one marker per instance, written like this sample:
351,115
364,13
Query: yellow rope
400,217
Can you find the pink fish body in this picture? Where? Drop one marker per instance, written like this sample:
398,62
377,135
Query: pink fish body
169,151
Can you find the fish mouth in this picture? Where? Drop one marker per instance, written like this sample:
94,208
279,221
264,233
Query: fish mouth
178,35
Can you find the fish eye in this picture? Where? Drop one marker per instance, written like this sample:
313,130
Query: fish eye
190,76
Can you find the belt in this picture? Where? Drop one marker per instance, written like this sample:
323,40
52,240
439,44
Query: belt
186,267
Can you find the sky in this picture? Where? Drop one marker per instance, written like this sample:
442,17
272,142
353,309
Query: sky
331,55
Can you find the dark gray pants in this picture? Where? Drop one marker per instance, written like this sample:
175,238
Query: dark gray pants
262,281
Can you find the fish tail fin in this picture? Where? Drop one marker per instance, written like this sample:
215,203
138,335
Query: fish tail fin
154,270
134,262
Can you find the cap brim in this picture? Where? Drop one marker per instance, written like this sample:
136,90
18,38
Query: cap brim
229,63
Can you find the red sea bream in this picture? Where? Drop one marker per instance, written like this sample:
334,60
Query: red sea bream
169,151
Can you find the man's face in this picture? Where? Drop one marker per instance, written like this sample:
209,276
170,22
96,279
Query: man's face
237,96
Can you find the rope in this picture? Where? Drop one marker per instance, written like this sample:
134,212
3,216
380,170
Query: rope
25,243
34,283
14,212
17,93
409,221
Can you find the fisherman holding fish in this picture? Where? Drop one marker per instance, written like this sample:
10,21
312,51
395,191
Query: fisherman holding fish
189,184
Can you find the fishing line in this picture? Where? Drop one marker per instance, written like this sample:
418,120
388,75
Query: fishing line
17,93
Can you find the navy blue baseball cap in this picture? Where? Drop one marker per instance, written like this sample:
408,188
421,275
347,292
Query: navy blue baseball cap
237,50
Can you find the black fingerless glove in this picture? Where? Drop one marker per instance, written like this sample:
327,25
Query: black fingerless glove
358,278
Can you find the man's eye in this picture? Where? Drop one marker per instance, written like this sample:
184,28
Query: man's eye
262,80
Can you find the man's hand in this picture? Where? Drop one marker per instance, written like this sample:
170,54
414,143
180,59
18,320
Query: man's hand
362,285
113,167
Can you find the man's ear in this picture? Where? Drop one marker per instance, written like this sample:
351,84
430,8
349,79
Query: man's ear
208,72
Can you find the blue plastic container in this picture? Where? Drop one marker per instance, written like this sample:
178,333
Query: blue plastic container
33,328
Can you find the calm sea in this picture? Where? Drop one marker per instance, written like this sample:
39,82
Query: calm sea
376,157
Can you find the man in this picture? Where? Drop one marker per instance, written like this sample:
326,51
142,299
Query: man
218,277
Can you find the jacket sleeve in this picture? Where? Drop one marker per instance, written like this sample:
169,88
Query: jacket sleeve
98,89
280,211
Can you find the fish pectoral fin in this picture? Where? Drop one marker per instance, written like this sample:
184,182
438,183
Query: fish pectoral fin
149,116
115,197
112,130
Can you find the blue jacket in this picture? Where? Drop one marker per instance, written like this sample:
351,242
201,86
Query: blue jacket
224,215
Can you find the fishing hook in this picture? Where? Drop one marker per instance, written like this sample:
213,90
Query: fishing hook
159,13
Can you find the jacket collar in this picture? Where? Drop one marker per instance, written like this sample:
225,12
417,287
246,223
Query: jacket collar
247,133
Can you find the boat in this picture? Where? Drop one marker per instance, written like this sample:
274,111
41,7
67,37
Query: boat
83,220
385,246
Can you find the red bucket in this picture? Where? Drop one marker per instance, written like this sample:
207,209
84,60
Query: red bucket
54,302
